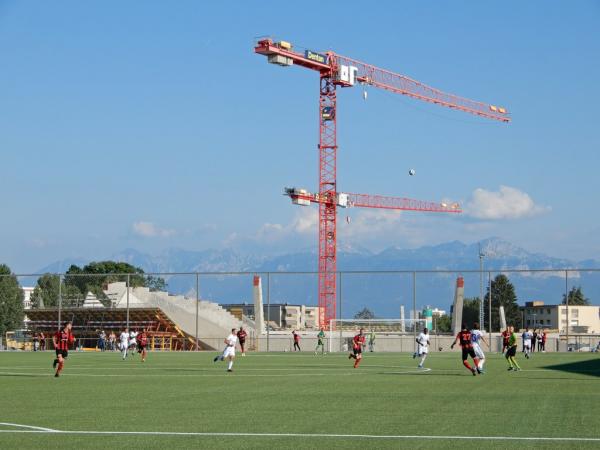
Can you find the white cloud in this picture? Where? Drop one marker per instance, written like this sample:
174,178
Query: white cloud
507,203
148,229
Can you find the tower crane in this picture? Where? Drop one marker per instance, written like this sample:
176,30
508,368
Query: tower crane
340,71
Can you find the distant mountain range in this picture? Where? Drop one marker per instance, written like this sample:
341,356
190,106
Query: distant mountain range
381,292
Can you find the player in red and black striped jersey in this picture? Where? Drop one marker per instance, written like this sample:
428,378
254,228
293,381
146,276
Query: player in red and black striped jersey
358,342
142,343
464,339
62,339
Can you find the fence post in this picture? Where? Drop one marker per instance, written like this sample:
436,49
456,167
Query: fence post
490,309
59,300
341,317
268,308
567,305
127,289
197,302
415,311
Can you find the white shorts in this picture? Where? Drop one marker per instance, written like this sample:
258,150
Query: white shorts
123,345
478,351
229,351
422,349
527,344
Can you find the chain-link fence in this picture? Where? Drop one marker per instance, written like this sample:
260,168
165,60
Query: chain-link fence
195,311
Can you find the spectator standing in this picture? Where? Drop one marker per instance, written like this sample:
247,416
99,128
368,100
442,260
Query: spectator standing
102,340
534,339
544,336
112,338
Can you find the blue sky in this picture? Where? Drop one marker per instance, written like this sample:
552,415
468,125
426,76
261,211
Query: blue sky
153,125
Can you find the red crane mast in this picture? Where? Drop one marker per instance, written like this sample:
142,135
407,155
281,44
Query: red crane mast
336,70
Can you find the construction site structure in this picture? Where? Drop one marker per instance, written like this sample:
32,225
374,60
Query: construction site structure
340,71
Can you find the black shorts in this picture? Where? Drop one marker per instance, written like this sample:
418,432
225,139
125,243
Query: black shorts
242,342
64,353
357,351
512,351
141,348
466,352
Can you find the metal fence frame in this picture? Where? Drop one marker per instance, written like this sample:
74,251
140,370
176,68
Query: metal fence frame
414,275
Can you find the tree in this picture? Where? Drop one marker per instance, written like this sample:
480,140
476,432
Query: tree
11,301
156,283
46,293
443,324
470,313
576,297
95,276
365,314
503,294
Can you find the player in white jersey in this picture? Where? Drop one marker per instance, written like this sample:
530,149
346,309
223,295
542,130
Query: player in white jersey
527,335
132,341
476,338
423,346
229,352
124,342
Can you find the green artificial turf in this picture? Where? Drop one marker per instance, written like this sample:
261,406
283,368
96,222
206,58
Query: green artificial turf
556,395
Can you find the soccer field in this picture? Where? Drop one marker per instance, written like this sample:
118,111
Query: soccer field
277,400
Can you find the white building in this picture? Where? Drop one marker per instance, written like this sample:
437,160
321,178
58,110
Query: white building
28,291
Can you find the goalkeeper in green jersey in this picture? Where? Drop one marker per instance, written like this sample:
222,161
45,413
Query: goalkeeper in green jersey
320,342
512,350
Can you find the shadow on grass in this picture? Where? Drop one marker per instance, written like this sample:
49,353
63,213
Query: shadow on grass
588,367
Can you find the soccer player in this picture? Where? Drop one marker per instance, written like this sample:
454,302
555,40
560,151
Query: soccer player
476,337
229,352
505,336
527,342
124,342
320,342
511,352
142,343
132,341
241,335
296,341
464,340
423,348
62,339
358,342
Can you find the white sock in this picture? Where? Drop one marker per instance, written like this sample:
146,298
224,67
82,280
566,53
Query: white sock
230,365
423,359
124,353
481,361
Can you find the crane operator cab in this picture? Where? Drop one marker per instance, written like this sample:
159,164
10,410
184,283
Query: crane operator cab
328,113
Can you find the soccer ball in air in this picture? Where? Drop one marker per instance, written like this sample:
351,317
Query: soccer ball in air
411,172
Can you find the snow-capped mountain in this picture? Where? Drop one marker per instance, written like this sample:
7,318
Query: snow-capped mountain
384,293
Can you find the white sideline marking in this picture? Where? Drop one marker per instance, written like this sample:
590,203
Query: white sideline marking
221,373
50,430
302,435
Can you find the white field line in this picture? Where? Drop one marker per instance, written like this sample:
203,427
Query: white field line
220,374
299,435
211,367
31,427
